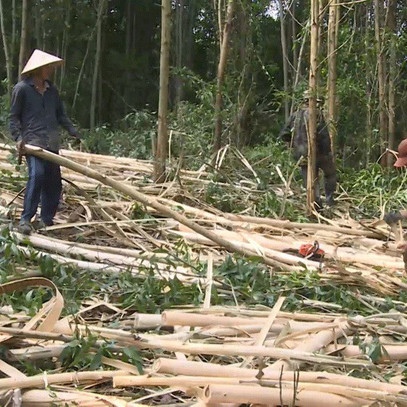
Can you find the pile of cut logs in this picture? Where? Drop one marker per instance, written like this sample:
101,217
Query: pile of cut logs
206,356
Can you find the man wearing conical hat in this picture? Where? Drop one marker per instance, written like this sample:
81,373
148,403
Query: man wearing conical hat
36,115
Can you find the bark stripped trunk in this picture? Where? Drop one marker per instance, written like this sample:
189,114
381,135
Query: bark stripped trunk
162,141
312,122
6,50
96,68
381,67
221,76
392,74
23,40
333,28
285,59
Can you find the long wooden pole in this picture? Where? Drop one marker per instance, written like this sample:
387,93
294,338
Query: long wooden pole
145,200
161,149
214,394
59,378
191,368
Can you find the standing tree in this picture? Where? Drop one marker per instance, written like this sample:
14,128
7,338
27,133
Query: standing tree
392,8
23,39
65,40
312,122
179,47
6,50
13,29
333,30
285,59
162,141
381,68
96,67
224,41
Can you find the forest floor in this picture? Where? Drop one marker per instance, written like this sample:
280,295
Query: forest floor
122,304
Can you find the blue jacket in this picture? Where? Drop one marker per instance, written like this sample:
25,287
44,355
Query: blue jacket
35,118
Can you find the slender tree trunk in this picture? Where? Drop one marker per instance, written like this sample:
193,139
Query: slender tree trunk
129,46
298,66
6,50
161,151
220,23
294,35
23,40
333,28
65,42
13,32
84,59
221,75
99,109
283,38
96,68
243,55
381,75
369,126
38,29
312,122
392,75
179,46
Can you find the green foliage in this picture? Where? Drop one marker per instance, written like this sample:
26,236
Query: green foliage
4,104
132,139
374,349
78,354
374,189
86,353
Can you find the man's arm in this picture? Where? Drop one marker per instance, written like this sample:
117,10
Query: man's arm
64,120
17,102
286,131
324,140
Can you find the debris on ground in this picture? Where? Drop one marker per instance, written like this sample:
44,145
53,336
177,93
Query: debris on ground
211,354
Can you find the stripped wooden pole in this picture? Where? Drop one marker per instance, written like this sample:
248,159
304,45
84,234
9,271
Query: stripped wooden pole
146,200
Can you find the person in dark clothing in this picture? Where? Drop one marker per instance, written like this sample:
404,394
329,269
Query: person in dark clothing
36,114
295,132
392,218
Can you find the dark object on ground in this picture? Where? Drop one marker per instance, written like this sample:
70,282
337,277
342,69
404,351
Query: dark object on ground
392,217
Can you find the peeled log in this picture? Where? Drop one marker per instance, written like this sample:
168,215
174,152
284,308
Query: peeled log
214,394
191,368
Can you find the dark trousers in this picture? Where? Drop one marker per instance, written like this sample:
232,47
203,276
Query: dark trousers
44,183
327,165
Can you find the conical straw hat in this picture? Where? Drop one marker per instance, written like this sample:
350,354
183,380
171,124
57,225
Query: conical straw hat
38,59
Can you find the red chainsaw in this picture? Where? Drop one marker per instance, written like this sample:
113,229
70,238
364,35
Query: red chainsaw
308,251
